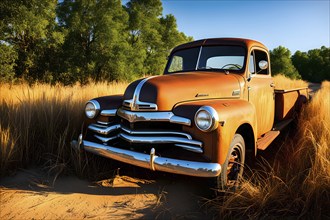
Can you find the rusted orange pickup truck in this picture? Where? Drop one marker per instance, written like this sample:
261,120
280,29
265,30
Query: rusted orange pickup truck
215,106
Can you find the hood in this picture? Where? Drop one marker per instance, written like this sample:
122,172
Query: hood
167,90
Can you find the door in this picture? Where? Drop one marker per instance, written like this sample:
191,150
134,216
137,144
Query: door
261,91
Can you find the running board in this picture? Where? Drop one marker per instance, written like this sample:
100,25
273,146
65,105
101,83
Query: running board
267,139
270,136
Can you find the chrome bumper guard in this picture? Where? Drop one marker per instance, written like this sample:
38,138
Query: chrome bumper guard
151,161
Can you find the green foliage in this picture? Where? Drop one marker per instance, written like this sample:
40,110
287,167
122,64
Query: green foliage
95,45
29,27
78,40
7,63
280,59
314,65
151,35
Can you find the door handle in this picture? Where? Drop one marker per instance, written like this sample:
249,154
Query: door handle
272,84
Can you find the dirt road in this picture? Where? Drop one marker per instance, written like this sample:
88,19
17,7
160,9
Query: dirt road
31,195
313,87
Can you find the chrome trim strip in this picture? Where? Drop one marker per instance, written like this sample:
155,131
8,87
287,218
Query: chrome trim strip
109,112
199,56
135,102
184,167
156,132
180,120
152,159
190,148
80,140
104,139
103,123
100,126
158,140
152,116
138,88
103,131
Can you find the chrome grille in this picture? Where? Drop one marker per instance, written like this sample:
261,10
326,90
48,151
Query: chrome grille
112,132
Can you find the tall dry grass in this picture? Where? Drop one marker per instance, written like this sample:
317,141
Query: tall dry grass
38,122
296,184
282,82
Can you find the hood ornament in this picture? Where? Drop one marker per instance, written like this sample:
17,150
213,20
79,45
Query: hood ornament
135,104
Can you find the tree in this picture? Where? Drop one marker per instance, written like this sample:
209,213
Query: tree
7,62
144,35
28,27
314,65
171,37
151,35
96,42
281,63
78,40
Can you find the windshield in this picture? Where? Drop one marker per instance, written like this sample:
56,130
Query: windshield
229,58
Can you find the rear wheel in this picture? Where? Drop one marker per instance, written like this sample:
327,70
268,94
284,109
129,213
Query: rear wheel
232,169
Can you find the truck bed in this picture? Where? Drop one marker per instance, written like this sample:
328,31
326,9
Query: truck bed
287,101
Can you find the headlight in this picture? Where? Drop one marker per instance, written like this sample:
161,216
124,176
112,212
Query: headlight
92,108
206,119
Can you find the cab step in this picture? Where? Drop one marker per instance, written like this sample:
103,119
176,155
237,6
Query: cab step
269,137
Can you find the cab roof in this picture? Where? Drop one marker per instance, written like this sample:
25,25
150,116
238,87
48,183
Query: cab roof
247,43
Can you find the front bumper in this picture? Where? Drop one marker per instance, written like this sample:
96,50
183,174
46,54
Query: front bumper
151,161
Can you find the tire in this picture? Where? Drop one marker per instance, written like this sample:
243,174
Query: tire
232,169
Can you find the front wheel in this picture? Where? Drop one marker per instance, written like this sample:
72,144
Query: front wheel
232,169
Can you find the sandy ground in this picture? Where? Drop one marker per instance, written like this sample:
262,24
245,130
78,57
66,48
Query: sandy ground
30,194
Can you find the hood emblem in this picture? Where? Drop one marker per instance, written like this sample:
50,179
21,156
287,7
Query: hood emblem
135,104
201,95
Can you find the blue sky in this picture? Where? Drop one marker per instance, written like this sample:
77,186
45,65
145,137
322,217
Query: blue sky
298,24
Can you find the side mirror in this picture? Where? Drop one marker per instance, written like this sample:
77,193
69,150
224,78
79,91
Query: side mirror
263,64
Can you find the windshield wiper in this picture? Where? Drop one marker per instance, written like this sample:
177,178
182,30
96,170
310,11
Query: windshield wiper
212,68
208,68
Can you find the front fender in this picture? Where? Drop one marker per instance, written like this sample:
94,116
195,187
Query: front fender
106,103
110,102
232,114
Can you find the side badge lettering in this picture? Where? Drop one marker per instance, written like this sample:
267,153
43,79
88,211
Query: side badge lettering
236,92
